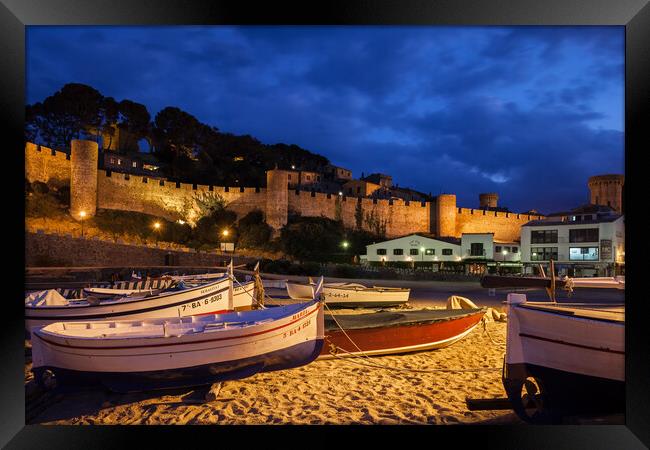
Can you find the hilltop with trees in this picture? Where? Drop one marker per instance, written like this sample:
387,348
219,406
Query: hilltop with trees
189,149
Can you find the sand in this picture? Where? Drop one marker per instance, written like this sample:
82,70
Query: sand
336,391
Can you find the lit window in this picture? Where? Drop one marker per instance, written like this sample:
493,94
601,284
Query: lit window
135,164
119,162
430,251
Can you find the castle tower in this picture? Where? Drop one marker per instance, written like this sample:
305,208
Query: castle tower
607,190
277,198
83,178
488,200
446,215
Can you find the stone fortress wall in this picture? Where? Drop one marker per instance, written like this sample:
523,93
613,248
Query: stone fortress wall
158,196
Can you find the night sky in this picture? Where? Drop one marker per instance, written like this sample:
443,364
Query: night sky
527,112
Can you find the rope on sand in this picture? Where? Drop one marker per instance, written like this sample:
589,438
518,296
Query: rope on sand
369,363
484,323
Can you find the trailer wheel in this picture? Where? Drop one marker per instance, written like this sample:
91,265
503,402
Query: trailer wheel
529,401
45,379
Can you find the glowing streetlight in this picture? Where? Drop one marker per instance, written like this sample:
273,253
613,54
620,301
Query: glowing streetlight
422,253
225,232
82,214
156,227
340,193
293,167
505,252
345,244
181,221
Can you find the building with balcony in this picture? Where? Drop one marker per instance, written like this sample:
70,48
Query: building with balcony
585,241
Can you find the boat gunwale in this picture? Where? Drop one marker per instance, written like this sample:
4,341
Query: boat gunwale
559,311
43,334
123,300
410,323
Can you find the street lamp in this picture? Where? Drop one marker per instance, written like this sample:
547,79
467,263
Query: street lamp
156,227
345,244
82,214
422,252
225,232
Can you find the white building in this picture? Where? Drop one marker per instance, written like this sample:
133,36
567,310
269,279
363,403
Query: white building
474,251
414,248
586,241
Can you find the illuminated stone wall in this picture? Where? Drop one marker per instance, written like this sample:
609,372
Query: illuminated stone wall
46,165
505,226
160,197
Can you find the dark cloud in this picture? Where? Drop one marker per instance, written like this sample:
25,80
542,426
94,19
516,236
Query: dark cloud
529,112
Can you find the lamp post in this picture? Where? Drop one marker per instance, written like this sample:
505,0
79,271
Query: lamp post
156,227
82,214
226,233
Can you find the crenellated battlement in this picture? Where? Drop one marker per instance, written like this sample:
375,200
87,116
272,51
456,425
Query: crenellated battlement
507,215
392,217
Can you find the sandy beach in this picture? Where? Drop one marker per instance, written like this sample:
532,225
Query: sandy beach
427,388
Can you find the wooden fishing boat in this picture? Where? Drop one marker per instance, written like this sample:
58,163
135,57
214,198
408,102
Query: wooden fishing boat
134,355
180,301
393,332
564,359
351,295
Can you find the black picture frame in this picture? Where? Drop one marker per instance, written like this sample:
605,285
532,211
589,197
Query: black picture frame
633,14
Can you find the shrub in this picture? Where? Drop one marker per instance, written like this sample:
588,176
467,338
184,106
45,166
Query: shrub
253,231
129,222
62,194
312,238
42,205
206,231
176,232
40,187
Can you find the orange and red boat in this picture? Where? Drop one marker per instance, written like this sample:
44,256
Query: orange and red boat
394,332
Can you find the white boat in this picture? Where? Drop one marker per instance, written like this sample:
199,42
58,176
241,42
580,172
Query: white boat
47,307
564,359
351,295
202,276
133,355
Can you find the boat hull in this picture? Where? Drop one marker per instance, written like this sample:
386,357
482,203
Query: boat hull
288,358
574,353
351,297
136,355
398,338
211,298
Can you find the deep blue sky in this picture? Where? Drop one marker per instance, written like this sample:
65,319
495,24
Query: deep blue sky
528,112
